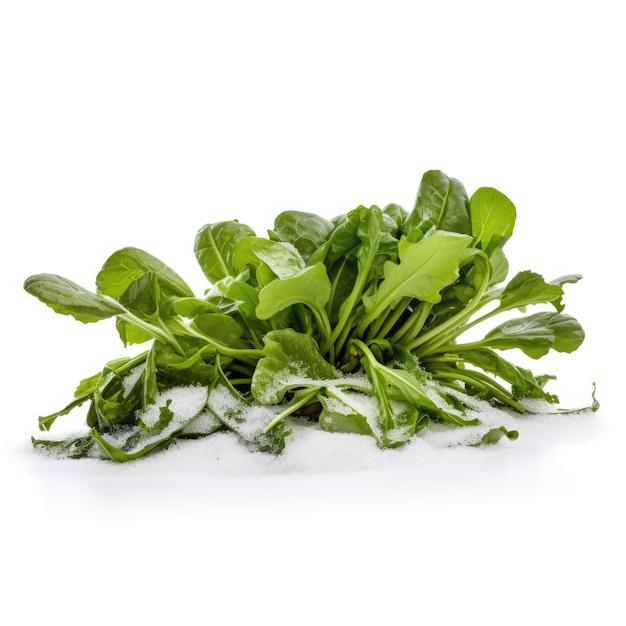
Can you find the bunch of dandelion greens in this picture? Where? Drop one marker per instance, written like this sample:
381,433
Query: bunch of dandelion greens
356,322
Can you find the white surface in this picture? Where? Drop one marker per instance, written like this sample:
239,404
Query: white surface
136,123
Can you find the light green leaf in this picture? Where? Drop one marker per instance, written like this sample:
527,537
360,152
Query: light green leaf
309,286
129,264
267,259
424,269
493,218
68,298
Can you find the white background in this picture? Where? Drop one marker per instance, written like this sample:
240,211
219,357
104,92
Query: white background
129,123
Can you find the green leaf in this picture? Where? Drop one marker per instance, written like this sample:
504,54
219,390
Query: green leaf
306,231
499,266
495,434
267,259
165,417
530,288
523,382
223,329
536,334
344,240
421,392
396,420
143,296
201,426
345,411
187,307
309,286
129,264
343,279
118,395
77,448
398,215
196,366
441,204
130,334
249,419
126,443
149,379
291,360
68,298
46,421
244,299
369,232
424,269
88,385
493,218
215,248
242,293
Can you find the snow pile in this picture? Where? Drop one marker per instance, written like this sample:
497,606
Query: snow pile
311,450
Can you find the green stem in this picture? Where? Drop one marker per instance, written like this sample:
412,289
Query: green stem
440,334
162,333
346,310
294,405
414,323
240,381
489,314
323,325
451,347
341,341
248,356
482,382
383,327
374,327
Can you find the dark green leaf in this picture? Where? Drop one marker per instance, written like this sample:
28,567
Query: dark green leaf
441,204
398,215
196,366
78,448
536,334
46,421
344,240
143,296
126,443
495,434
527,288
306,231
215,248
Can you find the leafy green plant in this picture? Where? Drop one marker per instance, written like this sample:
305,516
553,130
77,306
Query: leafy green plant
356,322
